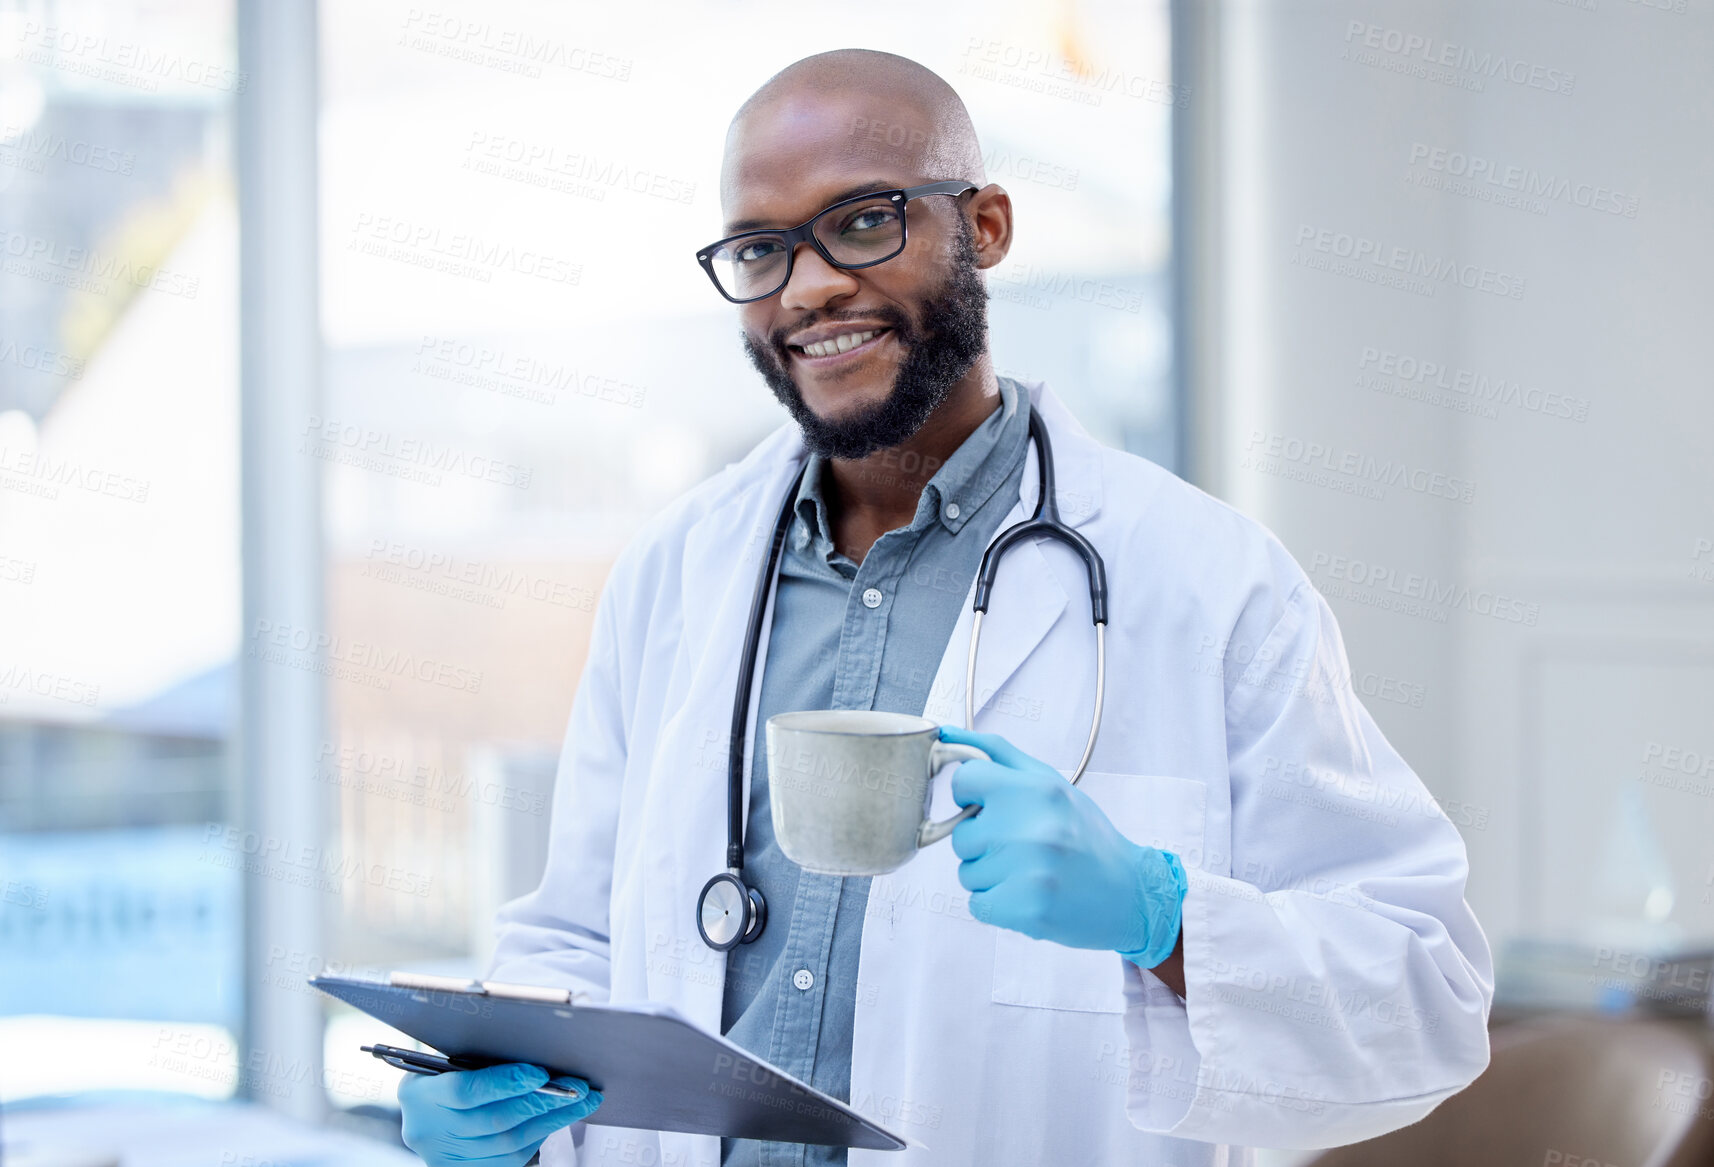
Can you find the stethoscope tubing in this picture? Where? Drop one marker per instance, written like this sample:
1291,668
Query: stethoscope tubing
1045,521
746,678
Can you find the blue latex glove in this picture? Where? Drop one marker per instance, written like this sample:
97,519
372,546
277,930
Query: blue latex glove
487,1116
1043,859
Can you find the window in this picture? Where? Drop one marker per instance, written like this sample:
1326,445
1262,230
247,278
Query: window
119,571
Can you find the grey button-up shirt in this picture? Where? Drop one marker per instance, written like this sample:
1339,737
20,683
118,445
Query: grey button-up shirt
851,636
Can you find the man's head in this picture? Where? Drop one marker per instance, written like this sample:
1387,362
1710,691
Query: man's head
817,129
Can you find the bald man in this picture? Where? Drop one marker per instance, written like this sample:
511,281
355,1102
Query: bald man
1019,997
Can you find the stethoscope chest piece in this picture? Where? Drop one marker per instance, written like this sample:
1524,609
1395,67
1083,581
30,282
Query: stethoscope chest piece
728,913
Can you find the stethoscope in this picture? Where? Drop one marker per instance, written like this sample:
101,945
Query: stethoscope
731,912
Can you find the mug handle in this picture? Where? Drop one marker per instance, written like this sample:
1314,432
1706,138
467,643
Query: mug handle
944,754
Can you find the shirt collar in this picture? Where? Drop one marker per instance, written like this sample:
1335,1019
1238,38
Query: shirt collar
966,481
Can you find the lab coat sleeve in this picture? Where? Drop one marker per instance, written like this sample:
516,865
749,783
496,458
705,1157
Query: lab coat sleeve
558,934
1337,985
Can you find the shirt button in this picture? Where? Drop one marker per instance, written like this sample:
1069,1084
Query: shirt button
800,537
952,510
871,597
803,979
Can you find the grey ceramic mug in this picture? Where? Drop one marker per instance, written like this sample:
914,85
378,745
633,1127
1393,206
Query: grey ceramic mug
849,788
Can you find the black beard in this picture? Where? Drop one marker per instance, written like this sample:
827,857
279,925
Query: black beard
953,334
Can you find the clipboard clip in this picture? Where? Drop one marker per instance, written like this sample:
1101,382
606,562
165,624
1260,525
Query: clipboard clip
540,994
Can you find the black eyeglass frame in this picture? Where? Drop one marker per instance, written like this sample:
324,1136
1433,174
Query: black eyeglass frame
805,233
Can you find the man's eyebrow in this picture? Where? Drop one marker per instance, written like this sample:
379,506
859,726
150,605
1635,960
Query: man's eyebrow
869,187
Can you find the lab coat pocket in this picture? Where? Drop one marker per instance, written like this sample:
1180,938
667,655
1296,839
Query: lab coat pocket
1157,810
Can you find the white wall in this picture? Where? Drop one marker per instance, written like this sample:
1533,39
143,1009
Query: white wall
1543,729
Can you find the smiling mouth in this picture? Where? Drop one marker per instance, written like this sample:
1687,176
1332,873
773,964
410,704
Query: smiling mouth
850,345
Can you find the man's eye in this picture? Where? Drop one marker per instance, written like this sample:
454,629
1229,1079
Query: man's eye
870,219
758,250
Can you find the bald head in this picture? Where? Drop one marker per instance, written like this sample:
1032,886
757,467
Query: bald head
861,112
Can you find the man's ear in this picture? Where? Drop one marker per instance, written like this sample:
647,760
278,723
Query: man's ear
990,210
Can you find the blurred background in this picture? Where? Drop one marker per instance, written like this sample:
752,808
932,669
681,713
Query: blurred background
342,350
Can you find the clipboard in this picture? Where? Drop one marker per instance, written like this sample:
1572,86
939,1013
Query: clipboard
654,1068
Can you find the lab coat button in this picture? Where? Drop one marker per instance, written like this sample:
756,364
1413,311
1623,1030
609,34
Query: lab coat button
803,979
871,597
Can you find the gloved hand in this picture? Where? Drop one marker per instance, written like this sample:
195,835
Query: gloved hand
1043,859
487,1116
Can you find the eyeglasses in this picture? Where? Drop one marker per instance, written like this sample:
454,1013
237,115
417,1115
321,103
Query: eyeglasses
856,232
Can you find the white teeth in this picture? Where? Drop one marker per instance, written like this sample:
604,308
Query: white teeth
839,344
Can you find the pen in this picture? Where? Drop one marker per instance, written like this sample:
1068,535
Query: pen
421,1063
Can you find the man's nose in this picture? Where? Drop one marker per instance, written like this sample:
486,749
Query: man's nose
814,281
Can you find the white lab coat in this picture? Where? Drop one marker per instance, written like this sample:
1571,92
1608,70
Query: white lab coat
1337,983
